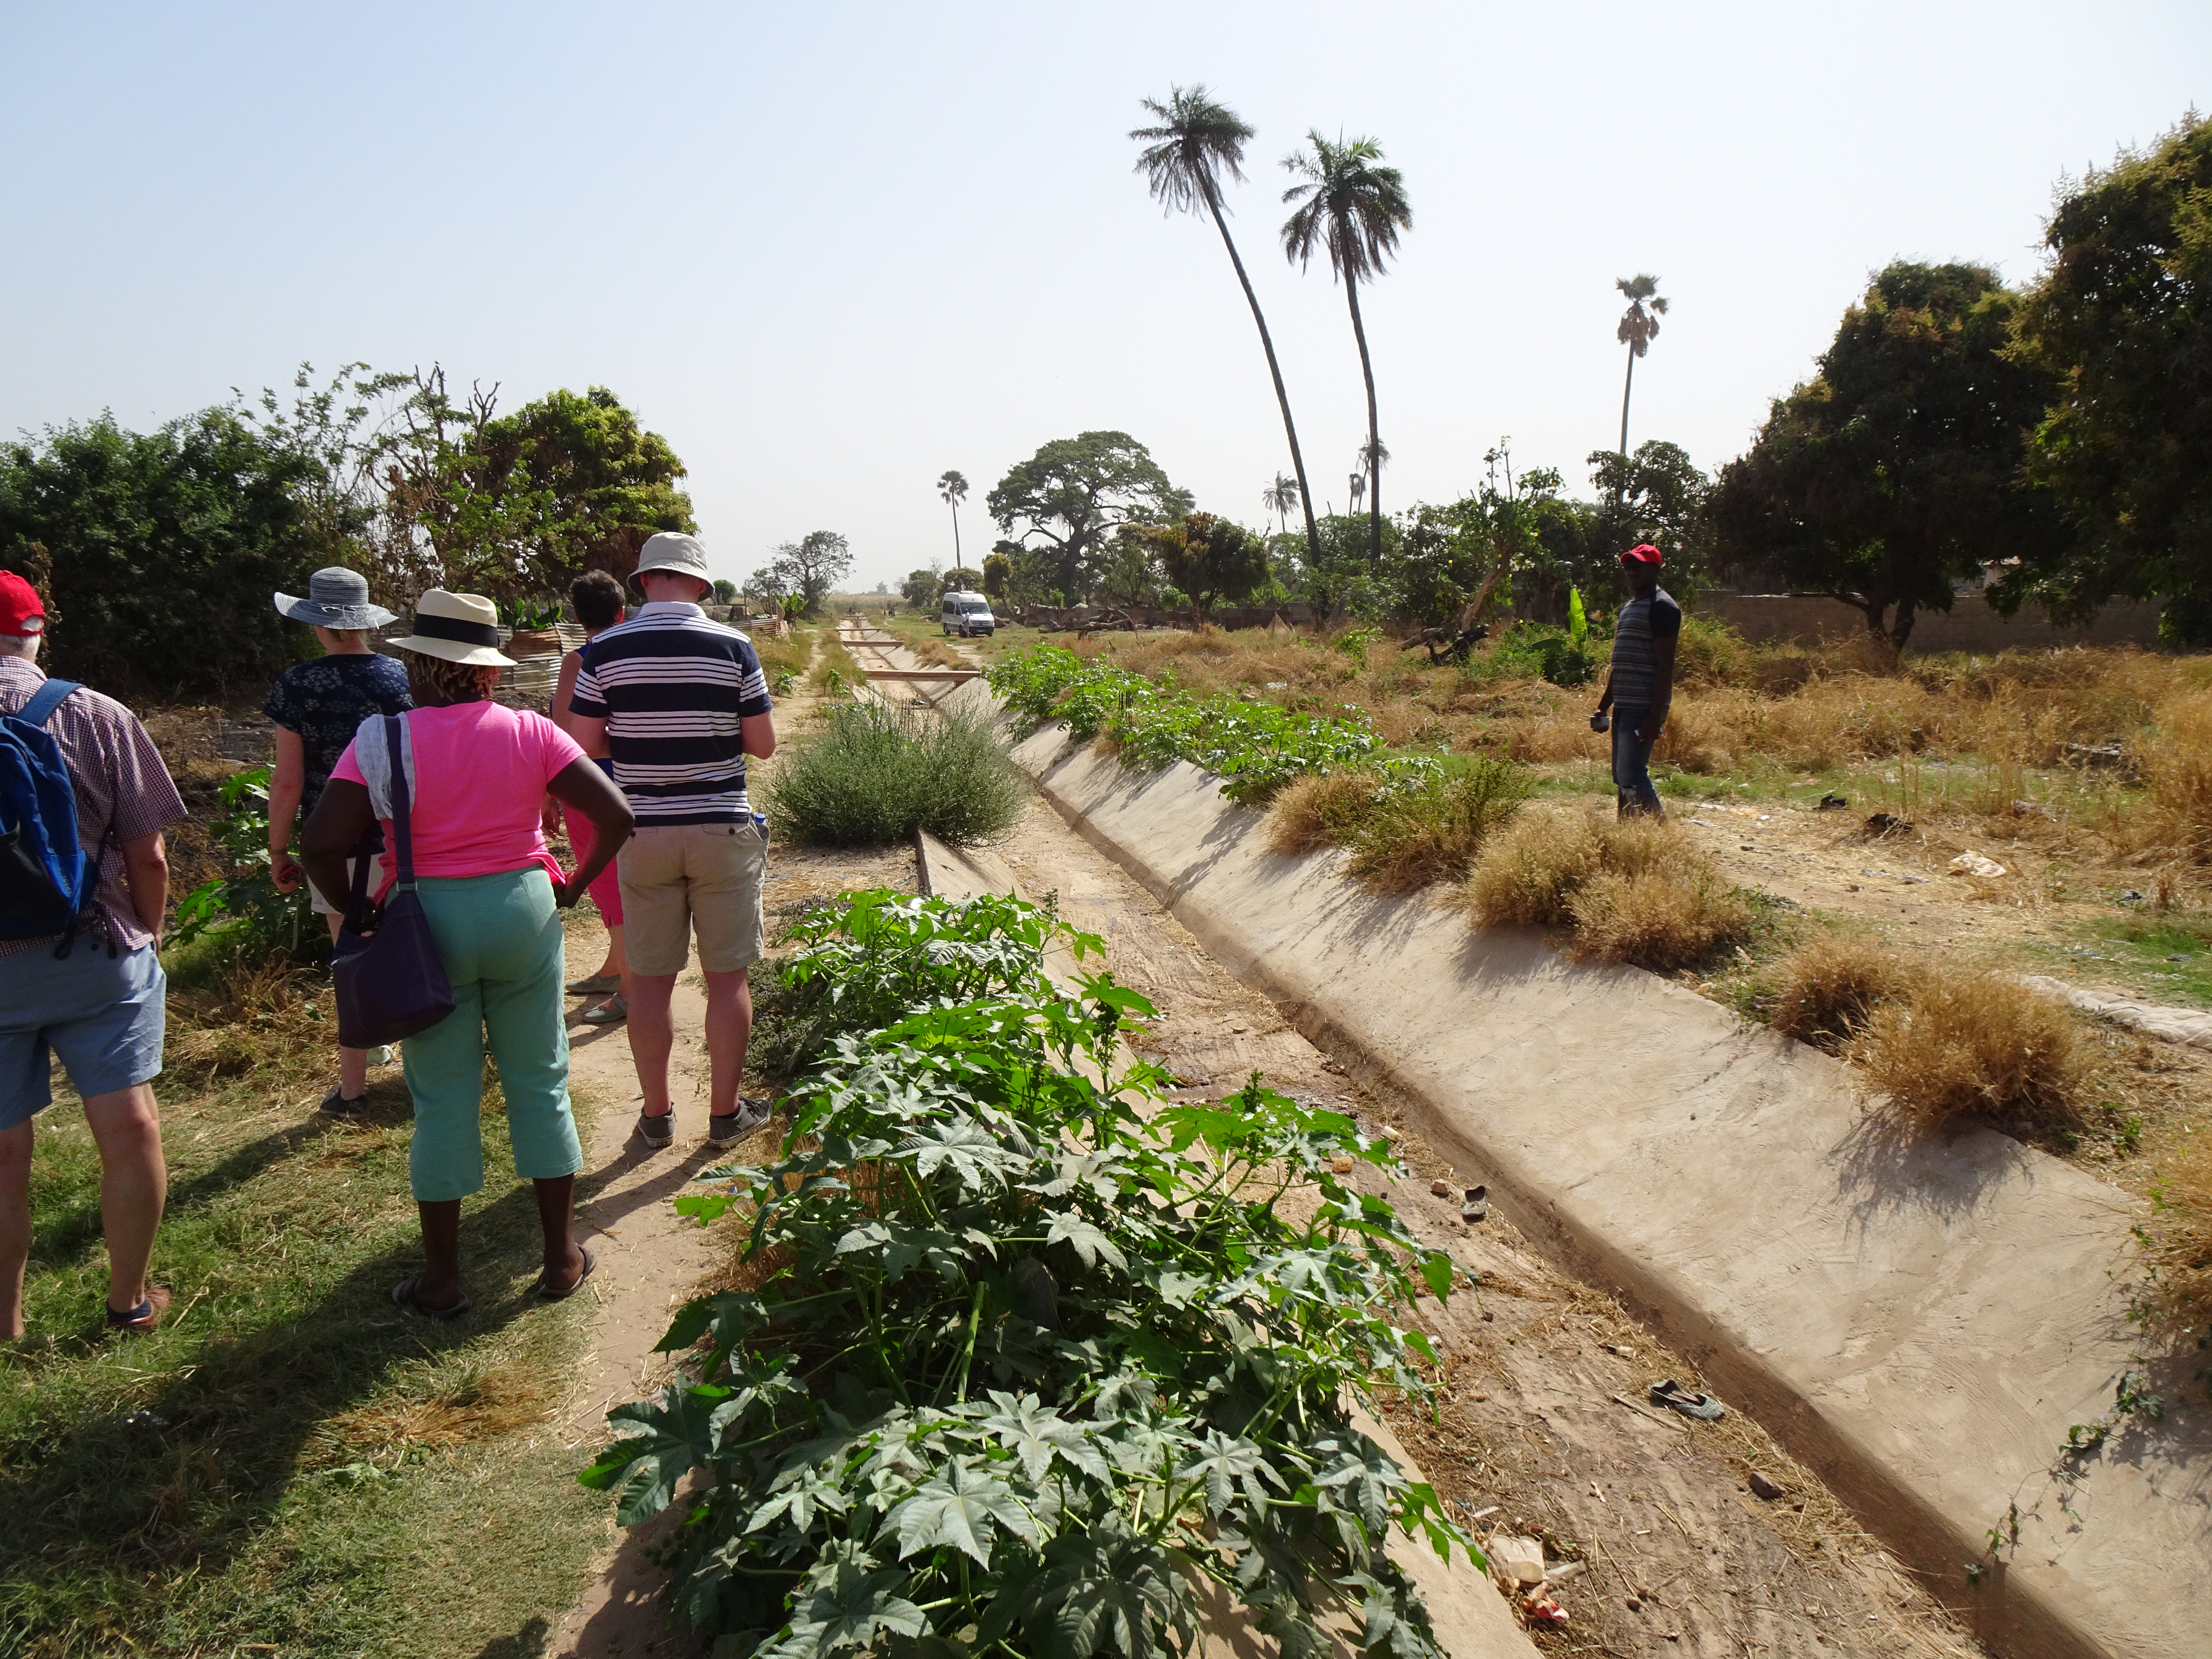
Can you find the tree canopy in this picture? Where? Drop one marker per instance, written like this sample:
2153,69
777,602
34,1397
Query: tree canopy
160,551
1209,558
2121,323
1894,474
1065,499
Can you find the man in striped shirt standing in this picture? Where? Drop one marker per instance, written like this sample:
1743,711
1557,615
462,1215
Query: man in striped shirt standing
679,702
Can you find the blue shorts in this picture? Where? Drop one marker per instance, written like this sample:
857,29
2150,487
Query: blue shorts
104,1016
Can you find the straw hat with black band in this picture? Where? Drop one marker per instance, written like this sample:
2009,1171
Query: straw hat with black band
461,627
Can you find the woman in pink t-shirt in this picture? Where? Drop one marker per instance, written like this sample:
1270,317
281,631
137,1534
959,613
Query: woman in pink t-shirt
477,774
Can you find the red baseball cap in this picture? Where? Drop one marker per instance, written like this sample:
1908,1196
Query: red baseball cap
20,610
1643,553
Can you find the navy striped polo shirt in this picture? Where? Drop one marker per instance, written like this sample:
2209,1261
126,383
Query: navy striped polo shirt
673,688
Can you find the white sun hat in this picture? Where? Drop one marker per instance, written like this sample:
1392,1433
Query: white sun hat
672,551
459,627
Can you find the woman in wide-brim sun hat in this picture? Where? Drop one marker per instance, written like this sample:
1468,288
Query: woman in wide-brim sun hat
477,774
316,707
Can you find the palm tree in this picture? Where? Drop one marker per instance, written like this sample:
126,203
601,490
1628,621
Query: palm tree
1353,207
1639,325
1357,483
952,490
1197,141
1279,497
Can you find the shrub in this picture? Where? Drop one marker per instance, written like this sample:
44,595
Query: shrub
1828,989
1709,652
1032,1357
2177,1242
876,774
1428,826
1975,1043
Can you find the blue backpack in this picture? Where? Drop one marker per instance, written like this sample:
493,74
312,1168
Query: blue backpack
45,880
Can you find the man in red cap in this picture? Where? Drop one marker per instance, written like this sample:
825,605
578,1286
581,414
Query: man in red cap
1641,684
94,995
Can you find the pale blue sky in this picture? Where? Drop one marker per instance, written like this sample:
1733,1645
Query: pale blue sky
831,250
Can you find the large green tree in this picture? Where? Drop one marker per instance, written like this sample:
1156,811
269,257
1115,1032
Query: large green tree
1894,473
2121,324
1195,141
1349,205
1656,495
161,549
1065,499
811,566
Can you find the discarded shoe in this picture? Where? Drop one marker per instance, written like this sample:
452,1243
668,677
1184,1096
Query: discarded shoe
1477,1207
1700,1406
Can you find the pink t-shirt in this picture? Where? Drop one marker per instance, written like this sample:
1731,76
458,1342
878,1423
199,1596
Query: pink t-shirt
476,782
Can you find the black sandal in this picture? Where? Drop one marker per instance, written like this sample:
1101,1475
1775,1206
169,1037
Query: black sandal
404,1296
548,1292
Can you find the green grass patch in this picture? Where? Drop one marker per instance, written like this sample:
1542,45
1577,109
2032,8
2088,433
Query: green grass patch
2162,958
290,1459
876,774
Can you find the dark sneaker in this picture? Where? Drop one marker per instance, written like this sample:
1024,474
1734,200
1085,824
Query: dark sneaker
335,1105
749,1116
657,1132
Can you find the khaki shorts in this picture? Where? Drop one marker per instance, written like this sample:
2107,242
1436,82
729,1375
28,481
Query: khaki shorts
679,877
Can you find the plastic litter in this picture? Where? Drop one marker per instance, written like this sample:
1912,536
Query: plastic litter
1477,1207
1971,863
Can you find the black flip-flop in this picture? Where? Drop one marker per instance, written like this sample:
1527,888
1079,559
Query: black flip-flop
404,1296
548,1292
1703,1406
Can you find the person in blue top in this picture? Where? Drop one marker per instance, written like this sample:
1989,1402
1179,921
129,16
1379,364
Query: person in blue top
1641,686
317,707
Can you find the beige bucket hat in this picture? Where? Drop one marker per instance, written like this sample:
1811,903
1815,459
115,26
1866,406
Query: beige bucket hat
673,552
459,627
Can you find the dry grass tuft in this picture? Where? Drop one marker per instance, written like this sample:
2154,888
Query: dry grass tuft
2176,762
1527,874
1412,837
1666,916
1319,810
1828,988
1975,1043
1636,890
2177,1242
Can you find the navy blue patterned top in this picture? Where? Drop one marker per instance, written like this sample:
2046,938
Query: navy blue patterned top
326,700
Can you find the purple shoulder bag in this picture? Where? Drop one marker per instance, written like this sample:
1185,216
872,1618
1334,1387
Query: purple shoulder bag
390,978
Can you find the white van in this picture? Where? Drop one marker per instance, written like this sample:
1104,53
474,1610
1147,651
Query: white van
967,614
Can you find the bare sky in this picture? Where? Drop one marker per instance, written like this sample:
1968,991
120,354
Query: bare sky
831,250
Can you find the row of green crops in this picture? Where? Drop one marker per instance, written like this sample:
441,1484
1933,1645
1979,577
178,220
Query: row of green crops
1257,747
1033,1362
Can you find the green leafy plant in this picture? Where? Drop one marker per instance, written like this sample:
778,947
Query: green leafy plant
1028,1357
245,906
1256,747
534,616
1577,619
1353,642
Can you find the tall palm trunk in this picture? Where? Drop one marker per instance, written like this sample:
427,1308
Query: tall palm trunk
1374,432
1282,396
955,534
1626,387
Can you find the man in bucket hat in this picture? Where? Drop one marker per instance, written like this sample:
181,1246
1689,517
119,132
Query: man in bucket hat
316,707
679,701
94,996
1640,685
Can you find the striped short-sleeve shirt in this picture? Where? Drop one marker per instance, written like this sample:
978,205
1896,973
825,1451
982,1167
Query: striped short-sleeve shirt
674,688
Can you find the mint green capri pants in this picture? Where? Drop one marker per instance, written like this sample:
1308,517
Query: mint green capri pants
500,938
